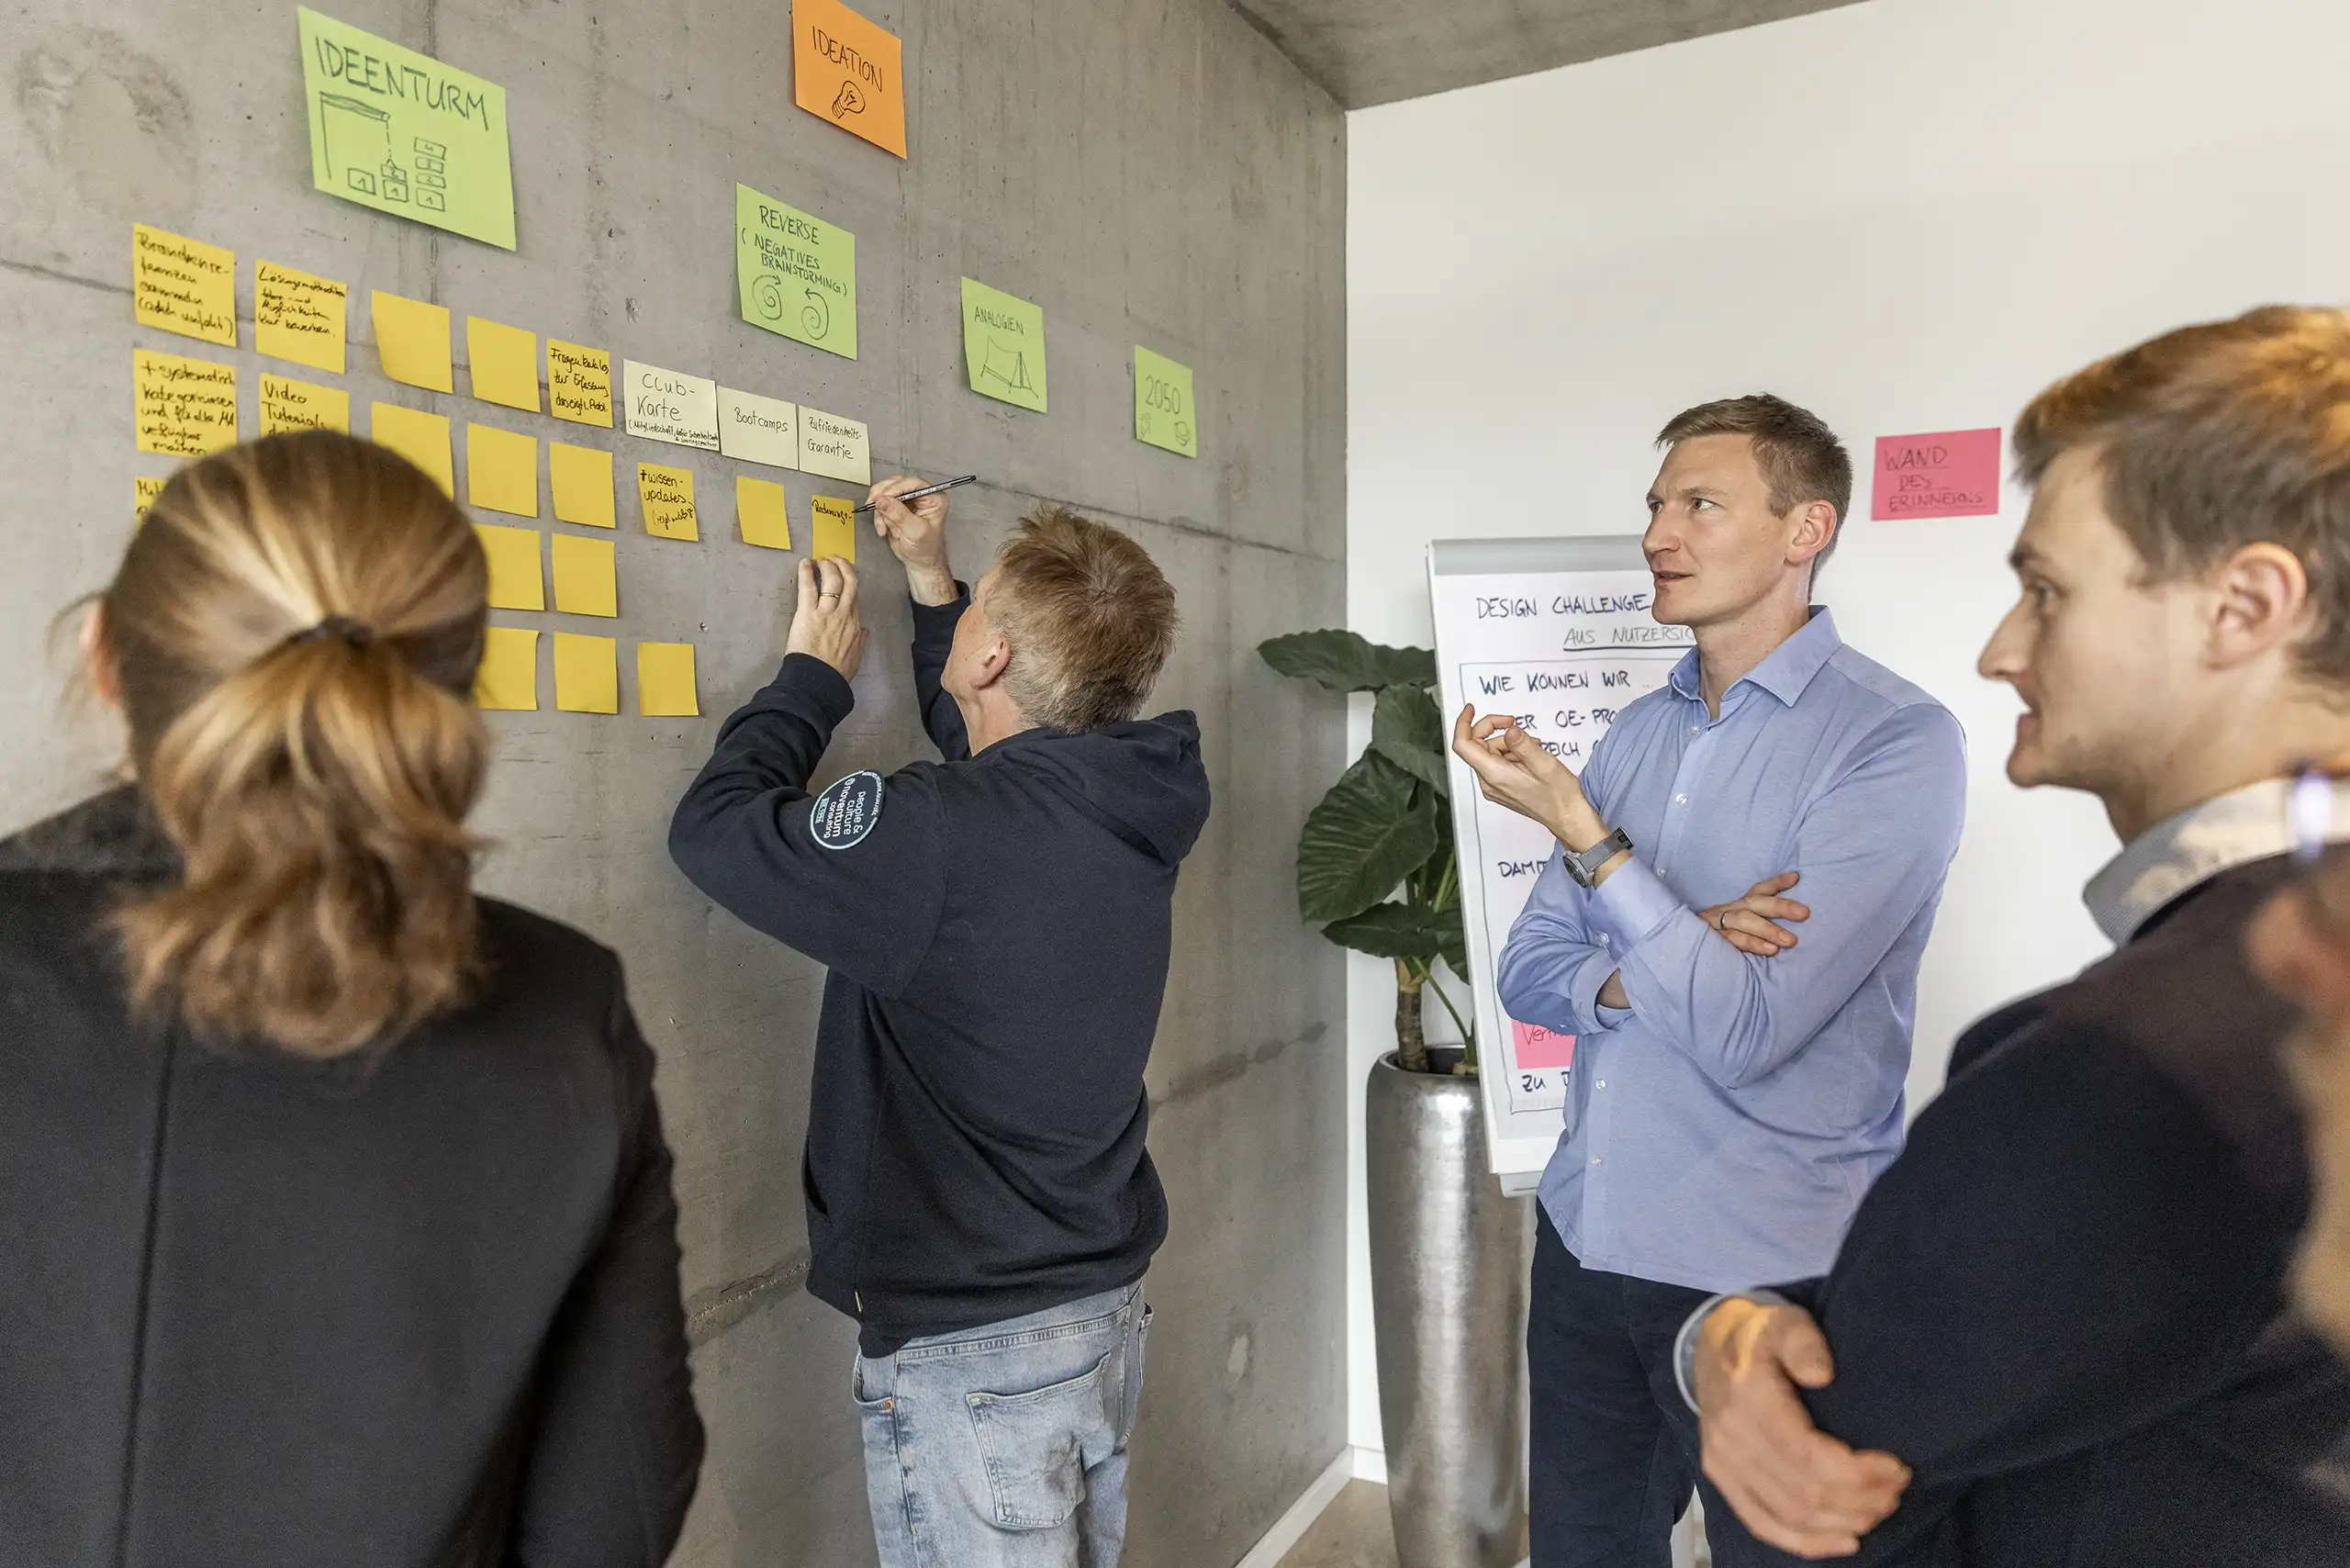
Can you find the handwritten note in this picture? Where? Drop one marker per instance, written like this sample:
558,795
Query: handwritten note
759,511
182,286
835,530
299,318
515,582
421,438
184,408
1004,346
582,479
669,405
148,487
579,384
504,361
508,677
401,132
796,273
835,447
1541,1047
1164,415
587,674
665,681
844,70
502,470
412,339
1949,474
666,496
290,404
585,582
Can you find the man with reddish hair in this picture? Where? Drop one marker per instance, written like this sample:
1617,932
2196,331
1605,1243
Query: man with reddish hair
997,927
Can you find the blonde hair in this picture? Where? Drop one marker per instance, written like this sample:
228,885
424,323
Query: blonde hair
294,631
1090,617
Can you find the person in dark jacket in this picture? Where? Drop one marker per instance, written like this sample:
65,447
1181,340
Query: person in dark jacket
335,1213
2059,1330
998,926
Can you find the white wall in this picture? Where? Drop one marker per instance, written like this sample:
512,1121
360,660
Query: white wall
1907,215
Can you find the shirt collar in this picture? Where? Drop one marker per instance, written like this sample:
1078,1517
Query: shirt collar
1784,671
2184,851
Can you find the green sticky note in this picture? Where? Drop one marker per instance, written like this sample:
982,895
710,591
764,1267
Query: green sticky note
1163,412
401,132
1004,346
798,274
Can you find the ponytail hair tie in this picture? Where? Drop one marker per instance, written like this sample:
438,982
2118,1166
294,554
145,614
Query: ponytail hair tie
358,633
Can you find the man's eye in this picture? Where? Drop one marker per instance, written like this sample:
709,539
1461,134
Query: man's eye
1698,503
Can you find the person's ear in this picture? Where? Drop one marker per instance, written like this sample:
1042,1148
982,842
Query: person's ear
98,659
1815,530
994,660
2260,600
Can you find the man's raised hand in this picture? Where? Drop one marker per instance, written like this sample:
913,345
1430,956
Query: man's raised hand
825,623
1513,769
916,534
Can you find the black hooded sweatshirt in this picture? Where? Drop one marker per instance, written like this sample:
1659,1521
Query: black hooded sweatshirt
998,930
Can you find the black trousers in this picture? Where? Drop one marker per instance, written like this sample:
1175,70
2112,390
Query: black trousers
1614,1447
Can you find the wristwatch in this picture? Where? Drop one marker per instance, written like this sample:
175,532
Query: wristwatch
1585,868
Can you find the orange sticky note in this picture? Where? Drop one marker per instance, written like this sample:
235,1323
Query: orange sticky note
514,579
502,470
587,674
844,70
582,477
504,361
585,581
665,681
412,339
758,507
667,495
836,528
421,438
508,675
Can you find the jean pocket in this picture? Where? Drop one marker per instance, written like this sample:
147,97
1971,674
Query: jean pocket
1035,1445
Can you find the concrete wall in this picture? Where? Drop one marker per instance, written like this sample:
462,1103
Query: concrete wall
1907,215
1150,172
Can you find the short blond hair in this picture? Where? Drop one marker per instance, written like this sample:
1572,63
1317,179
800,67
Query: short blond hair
1090,617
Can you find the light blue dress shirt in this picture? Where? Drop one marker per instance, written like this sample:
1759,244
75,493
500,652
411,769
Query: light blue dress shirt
1721,1131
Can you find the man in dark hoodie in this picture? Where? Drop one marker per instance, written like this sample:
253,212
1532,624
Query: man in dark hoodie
998,926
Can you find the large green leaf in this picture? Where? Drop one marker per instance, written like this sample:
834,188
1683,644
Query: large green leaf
1374,827
1407,730
1347,661
1452,943
1388,931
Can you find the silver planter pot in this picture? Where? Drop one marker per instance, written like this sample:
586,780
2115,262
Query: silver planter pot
1448,1291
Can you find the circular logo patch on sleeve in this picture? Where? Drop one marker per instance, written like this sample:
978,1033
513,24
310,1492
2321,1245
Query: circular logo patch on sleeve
847,812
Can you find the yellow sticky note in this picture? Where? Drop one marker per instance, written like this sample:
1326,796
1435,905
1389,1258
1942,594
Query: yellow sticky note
579,384
667,495
587,674
290,404
508,676
299,316
582,477
182,408
514,579
182,286
665,681
758,507
505,362
421,438
836,528
412,337
148,488
585,581
502,470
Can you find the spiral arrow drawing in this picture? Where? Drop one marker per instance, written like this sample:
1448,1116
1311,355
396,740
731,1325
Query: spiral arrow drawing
816,316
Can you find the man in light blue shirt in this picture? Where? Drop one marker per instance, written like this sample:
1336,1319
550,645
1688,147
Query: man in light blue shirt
1738,1081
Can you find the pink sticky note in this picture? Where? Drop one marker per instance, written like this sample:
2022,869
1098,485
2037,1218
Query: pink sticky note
1948,474
1538,1047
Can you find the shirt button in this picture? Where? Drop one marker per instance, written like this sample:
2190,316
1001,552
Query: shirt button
1681,800
1603,1083
1594,1160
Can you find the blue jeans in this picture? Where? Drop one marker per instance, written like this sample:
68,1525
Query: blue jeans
1005,1446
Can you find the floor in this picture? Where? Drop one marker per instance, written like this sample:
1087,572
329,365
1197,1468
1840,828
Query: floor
1353,1532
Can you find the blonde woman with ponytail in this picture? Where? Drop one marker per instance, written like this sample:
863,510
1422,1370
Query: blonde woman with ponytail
335,1213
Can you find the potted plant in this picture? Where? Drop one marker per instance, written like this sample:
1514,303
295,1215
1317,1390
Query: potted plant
1376,870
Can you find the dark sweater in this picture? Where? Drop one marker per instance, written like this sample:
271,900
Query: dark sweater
417,1308
998,936
2064,1304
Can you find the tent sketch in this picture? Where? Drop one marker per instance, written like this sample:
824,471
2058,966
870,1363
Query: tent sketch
1005,364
